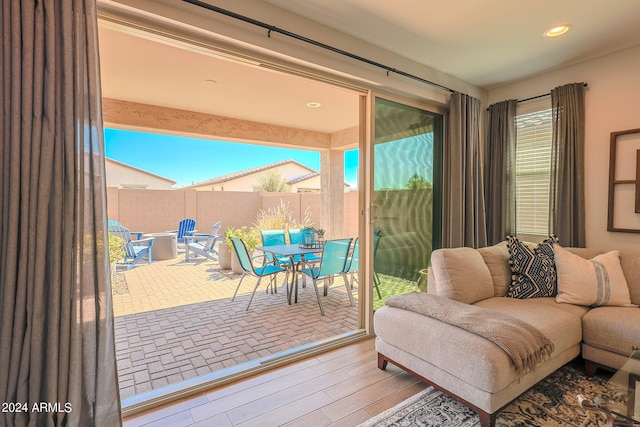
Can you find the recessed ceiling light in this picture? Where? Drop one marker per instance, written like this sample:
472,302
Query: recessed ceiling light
558,30
313,104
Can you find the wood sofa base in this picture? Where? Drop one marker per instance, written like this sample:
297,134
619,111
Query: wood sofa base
486,419
590,368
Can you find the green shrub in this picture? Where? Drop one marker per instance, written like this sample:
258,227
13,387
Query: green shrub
249,235
281,218
116,252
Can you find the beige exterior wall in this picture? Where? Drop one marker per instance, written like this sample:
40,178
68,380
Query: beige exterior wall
250,182
122,176
308,184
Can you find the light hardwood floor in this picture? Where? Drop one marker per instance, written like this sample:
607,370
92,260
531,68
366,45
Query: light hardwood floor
340,388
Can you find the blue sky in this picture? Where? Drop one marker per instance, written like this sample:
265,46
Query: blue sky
187,160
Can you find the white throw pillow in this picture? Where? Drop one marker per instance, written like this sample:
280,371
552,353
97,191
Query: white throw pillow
595,282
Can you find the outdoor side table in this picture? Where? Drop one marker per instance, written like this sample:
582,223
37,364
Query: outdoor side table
165,246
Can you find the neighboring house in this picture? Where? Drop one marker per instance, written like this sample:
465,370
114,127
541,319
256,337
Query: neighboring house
122,175
299,178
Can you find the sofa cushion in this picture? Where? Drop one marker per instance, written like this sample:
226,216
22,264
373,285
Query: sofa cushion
630,261
533,270
613,329
461,274
562,327
470,357
497,259
595,282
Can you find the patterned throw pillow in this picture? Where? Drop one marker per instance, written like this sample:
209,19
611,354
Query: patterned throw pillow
533,271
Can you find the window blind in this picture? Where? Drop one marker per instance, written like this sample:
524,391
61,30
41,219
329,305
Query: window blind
533,169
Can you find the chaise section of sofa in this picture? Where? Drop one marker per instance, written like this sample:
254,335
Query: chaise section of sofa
476,371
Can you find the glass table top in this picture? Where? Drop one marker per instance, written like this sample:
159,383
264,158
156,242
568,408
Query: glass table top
622,393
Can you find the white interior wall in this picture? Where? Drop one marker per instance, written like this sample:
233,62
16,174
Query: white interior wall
612,104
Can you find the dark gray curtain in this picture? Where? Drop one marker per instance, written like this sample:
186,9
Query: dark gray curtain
463,195
56,330
499,171
566,198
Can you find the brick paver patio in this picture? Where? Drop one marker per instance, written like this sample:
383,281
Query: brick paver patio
177,322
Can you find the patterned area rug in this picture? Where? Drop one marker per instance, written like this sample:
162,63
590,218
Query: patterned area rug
552,402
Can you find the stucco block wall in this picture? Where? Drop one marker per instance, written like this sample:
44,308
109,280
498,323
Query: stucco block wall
160,210
232,208
351,215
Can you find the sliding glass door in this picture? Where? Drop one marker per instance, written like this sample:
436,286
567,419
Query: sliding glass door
407,147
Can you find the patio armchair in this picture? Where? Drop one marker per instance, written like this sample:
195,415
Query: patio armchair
137,234
295,237
272,238
203,244
353,264
135,250
186,227
333,262
268,269
376,242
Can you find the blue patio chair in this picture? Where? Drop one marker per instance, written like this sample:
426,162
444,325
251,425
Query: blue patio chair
267,268
353,264
295,237
135,250
333,262
376,242
273,238
186,227
137,234
203,244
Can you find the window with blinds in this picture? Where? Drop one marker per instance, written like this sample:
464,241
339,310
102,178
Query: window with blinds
533,169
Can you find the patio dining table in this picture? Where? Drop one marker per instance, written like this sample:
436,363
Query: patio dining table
290,251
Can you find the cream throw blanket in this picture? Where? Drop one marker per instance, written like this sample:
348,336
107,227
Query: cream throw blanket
525,345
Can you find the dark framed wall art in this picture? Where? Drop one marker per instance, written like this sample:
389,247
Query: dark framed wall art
624,182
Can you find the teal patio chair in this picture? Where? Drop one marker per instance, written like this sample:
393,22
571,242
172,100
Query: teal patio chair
333,262
295,237
203,244
273,238
376,242
135,250
270,269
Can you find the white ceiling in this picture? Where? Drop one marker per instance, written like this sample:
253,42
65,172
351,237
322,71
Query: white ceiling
486,43
482,42
147,71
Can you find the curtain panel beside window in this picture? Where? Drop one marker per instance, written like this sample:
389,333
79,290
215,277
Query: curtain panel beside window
463,222
56,320
499,171
566,199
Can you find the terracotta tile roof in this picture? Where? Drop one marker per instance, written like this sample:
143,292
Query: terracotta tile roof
245,172
139,170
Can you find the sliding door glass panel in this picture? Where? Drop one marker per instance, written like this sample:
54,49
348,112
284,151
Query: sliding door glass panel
406,180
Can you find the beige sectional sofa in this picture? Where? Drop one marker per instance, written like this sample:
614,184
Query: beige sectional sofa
474,370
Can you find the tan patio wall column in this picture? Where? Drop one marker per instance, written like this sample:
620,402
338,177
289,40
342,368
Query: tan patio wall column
332,194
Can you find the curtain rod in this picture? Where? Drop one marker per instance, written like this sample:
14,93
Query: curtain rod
543,95
273,28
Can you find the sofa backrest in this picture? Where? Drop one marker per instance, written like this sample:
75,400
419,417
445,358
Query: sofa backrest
630,261
461,274
469,281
